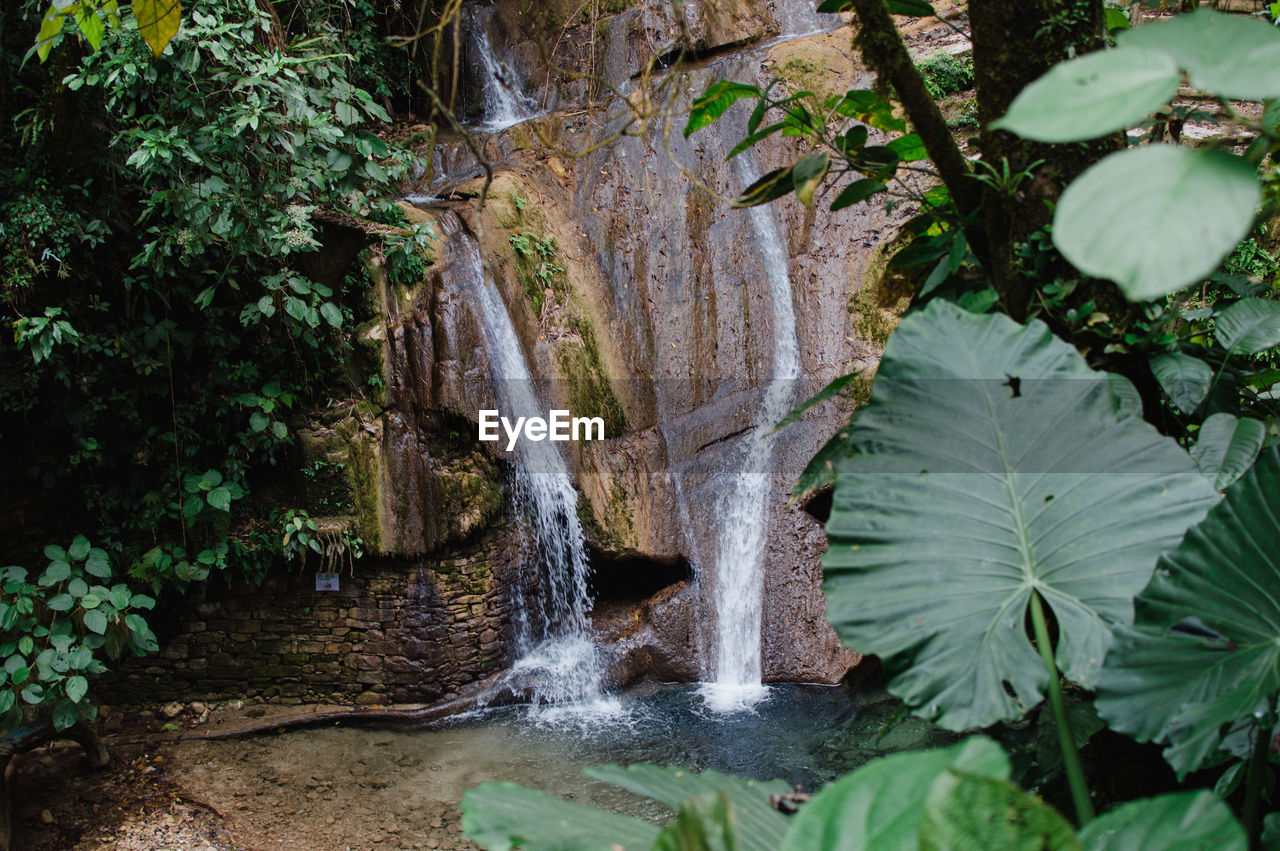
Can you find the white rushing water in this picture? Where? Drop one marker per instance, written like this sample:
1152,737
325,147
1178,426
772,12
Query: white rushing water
799,18
743,513
502,101
557,656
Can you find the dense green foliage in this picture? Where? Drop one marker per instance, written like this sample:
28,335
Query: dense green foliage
57,626
161,269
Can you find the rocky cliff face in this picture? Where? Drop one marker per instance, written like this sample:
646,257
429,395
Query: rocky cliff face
639,296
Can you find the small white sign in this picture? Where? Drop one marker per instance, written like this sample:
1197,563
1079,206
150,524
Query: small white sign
326,582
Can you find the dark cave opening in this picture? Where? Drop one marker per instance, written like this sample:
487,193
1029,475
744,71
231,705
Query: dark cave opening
633,578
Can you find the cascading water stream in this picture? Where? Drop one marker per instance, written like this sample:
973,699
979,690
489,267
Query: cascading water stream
502,102
743,516
799,18
557,656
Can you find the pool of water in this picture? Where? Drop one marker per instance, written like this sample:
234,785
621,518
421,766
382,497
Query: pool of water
806,735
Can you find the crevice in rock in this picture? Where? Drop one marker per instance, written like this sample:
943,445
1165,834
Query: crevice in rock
818,505
631,579
688,57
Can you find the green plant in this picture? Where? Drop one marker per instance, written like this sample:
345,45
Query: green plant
56,629
945,74
156,268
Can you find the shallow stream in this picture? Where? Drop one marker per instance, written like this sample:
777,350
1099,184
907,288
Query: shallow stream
341,787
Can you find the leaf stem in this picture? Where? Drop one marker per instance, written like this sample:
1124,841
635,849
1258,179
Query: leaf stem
1070,757
1253,782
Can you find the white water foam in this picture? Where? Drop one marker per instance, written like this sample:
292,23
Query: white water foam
743,515
502,101
558,660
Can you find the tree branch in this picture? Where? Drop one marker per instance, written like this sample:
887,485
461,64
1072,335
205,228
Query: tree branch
883,49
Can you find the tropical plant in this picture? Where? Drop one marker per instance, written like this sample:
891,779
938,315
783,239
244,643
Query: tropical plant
58,626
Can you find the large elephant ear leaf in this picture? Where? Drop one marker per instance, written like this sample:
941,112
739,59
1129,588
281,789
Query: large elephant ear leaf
506,816
1204,649
760,826
1182,821
991,463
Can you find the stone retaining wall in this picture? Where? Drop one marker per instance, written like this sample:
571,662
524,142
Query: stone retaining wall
396,632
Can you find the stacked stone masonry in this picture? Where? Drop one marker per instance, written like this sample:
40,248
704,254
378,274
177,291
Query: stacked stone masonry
396,632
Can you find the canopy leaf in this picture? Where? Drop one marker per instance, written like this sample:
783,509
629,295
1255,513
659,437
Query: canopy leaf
506,816
877,807
1204,650
1157,218
1092,96
992,463
1183,821
1227,447
1249,326
1184,378
1229,55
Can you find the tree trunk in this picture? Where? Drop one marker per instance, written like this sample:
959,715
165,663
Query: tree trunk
1014,43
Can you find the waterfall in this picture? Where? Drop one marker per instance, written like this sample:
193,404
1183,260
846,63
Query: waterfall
502,102
557,656
743,515
798,18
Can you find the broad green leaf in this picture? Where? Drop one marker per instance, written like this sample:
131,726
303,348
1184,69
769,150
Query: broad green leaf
859,190
911,8
77,688
807,174
1115,18
1229,55
1249,326
1082,720
220,498
56,572
91,27
1184,378
703,823
772,186
77,587
721,95
332,314
1226,447
1204,650
81,657
61,603
909,148
1182,821
965,810
64,715
1097,94
53,552
1157,218
1271,831
832,390
158,21
192,506
760,826
50,28
992,463
347,113
98,564
95,621
877,806
506,816
79,548
90,601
